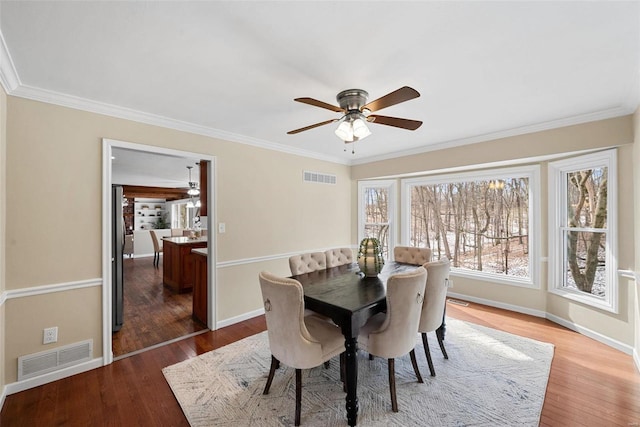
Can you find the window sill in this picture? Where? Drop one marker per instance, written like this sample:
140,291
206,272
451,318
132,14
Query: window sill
495,278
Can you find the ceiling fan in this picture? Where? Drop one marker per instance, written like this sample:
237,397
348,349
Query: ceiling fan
356,111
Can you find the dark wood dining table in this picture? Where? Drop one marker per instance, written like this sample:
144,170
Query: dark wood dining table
349,299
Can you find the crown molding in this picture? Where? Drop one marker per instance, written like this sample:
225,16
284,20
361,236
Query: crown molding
610,113
78,103
70,101
8,76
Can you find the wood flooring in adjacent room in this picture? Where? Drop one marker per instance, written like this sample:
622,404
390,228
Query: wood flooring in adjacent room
590,384
153,313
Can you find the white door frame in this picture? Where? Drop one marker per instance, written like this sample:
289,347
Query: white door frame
107,314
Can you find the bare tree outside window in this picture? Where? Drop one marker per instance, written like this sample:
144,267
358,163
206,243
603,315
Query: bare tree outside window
376,221
481,225
585,234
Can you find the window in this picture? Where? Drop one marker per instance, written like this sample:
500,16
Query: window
482,221
376,208
582,229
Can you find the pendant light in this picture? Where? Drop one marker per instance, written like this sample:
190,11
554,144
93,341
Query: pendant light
193,186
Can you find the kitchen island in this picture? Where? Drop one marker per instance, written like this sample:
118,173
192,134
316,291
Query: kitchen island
200,285
178,265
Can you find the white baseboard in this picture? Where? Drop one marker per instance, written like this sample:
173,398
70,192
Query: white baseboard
19,386
555,319
237,319
142,255
490,303
592,334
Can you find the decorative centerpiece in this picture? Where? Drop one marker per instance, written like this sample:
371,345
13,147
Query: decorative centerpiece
370,258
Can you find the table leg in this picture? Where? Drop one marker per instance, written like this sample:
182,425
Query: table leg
351,368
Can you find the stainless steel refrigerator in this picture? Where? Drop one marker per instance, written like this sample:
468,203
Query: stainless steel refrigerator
117,256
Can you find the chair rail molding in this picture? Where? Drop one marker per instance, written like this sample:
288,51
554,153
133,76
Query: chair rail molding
47,289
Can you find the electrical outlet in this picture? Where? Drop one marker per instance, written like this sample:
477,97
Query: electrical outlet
50,335
222,227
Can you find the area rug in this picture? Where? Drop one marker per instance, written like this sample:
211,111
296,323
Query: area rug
491,378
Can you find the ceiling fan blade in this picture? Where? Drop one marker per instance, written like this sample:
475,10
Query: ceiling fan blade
320,104
396,97
326,122
395,121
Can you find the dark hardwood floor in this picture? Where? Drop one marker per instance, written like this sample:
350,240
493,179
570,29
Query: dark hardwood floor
590,383
153,313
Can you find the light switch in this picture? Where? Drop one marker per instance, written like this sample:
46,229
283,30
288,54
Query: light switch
221,227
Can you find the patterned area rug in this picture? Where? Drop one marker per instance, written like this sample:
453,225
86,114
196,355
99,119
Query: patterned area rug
492,378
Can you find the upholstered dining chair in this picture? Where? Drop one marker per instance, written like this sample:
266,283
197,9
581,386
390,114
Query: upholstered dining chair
157,248
295,340
177,232
307,263
435,300
411,255
339,256
393,334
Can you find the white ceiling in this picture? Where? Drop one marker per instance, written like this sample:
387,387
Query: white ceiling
232,69
131,167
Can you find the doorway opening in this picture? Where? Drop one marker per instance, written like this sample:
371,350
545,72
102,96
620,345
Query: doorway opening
154,182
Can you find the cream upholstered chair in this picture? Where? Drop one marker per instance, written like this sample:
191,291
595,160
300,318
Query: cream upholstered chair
393,334
157,248
339,256
434,305
295,340
307,263
411,255
177,232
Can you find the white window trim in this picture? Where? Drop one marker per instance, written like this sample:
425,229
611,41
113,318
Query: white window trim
557,195
391,185
532,172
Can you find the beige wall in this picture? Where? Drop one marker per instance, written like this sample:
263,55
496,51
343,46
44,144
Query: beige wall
54,218
595,135
77,314
3,186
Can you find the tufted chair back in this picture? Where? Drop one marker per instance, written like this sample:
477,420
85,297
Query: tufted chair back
435,295
411,255
396,335
306,263
289,339
432,317
296,341
393,334
339,256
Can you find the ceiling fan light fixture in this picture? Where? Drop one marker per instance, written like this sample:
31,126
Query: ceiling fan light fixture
360,129
345,131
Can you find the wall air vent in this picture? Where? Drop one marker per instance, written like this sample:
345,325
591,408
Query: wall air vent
32,365
319,178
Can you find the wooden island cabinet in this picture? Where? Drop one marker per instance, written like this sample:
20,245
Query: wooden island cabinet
200,285
178,263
